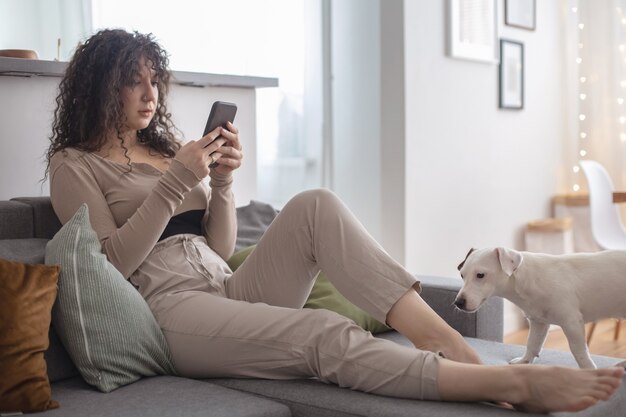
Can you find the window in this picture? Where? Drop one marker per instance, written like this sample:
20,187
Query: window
273,38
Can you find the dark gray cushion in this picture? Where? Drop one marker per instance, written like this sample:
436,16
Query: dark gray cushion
312,398
17,220
252,220
45,221
160,396
60,366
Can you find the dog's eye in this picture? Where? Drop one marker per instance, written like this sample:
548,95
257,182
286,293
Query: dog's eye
480,275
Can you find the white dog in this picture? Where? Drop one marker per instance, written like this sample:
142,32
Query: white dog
568,290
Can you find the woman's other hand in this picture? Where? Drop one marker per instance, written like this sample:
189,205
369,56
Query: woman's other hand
229,155
197,155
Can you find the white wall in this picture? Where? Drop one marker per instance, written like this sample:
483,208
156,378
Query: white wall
26,106
476,174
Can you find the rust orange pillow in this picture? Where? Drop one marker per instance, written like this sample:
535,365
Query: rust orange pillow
27,293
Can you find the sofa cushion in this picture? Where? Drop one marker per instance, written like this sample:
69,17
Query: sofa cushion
312,398
27,293
325,295
161,396
103,322
252,221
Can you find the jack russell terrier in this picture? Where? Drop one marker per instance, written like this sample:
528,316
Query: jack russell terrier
567,290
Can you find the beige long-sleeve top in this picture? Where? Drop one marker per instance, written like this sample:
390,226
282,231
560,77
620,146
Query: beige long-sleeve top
130,210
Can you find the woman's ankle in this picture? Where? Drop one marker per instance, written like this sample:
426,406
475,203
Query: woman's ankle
470,382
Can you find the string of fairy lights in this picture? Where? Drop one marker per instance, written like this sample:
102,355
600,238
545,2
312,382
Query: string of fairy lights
582,95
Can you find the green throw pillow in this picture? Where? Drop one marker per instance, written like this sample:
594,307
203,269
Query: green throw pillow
104,323
325,295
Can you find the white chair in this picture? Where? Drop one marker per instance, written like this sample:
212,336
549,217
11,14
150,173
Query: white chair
606,224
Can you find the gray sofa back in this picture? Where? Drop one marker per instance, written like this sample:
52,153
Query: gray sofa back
28,217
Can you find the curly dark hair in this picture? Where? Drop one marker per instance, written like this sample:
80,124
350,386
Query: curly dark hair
89,106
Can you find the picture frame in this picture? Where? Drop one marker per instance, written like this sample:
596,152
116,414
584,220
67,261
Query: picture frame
520,13
511,74
472,30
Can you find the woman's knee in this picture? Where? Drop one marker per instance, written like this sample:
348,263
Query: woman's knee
320,198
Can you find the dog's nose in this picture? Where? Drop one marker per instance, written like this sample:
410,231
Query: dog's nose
460,303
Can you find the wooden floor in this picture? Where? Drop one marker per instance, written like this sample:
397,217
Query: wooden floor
602,342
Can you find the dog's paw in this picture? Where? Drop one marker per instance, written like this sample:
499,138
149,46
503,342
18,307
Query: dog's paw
518,361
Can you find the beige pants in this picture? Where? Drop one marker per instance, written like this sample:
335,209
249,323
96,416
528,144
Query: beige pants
251,323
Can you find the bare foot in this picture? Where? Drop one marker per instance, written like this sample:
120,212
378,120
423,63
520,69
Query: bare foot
551,388
533,388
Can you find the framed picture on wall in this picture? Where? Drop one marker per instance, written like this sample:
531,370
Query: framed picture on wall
472,30
511,74
520,13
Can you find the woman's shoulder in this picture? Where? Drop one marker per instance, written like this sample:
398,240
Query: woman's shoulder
68,156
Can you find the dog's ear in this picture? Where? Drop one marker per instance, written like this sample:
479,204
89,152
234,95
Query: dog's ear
466,256
509,259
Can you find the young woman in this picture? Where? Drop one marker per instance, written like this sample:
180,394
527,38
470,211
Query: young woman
113,147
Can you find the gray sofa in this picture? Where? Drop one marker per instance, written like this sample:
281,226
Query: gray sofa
26,224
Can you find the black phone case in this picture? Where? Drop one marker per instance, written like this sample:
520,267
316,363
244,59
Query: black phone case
221,113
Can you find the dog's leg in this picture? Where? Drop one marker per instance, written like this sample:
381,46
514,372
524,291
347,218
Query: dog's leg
574,330
536,338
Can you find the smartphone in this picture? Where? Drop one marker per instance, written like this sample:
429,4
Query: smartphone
221,113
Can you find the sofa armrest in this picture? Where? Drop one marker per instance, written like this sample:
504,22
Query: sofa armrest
486,323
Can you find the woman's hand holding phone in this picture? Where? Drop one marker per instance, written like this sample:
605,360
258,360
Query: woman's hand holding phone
222,112
229,155
197,155
220,142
